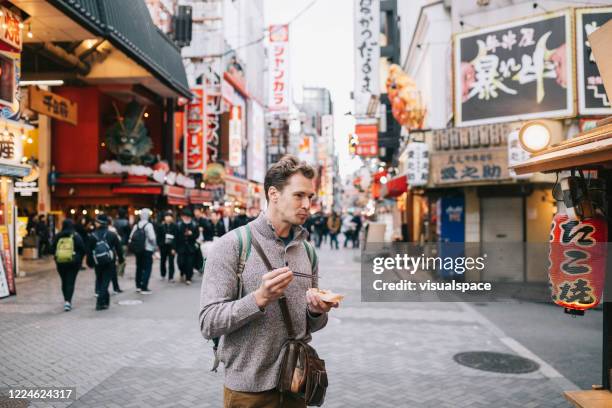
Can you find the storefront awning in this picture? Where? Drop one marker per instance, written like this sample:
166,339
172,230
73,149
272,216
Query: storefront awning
395,187
129,27
14,170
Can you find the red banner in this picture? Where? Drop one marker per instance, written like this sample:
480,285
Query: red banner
367,137
195,143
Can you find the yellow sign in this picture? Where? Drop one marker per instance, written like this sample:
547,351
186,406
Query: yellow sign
50,104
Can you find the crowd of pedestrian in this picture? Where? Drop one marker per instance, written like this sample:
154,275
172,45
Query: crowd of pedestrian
102,244
328,226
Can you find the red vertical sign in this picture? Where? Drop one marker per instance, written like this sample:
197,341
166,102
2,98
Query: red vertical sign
195,142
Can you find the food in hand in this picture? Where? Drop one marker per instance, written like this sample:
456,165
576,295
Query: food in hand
327,295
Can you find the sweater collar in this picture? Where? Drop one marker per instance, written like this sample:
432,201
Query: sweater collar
265,228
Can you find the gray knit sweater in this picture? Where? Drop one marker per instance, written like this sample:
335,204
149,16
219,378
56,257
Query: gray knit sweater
252,339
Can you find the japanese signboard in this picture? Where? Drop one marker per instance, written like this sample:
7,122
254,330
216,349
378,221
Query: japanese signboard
10,32
7,260
278,56
592,98
367,137
417,164
367,53
195,143
213,107
469,166
515,71
235,137
516,155
53,105
470,137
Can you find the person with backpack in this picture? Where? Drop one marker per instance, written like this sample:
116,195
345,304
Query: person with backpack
186,245
103,250
143,243
69,249
252,302
166,240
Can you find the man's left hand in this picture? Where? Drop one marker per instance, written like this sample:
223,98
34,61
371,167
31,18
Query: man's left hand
316,305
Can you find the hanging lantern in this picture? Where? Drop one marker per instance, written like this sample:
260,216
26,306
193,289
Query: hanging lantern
577,260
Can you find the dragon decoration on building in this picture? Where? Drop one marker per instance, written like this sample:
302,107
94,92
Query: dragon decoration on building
406,103
128,139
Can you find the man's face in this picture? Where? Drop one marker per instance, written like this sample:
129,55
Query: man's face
227,212
168,219
292,204
198,213
215,216
186,219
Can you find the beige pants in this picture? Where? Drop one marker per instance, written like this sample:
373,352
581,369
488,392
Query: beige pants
264,399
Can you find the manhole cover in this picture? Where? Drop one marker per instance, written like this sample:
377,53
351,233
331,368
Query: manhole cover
496,362
129,302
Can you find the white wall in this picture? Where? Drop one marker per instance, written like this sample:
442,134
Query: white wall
428,63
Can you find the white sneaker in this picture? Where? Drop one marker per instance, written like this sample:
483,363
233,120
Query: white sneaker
67,307
138,290
146,292
188,282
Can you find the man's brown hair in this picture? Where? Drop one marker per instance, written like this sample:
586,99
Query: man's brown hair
279,173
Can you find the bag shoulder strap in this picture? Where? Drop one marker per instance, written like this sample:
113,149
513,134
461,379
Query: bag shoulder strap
282,302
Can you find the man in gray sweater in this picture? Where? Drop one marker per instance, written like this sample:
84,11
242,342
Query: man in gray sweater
251,328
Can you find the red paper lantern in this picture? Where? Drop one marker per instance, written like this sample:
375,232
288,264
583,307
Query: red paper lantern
577,261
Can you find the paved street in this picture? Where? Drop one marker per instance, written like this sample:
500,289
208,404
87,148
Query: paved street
377,354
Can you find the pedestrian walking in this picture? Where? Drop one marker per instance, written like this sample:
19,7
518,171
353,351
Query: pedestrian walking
68,249
42,231
104,249
166,240
143,243
348,229
122,225
319,225
246,313
358,224
333,225
186,245
114,277
228,221
218,228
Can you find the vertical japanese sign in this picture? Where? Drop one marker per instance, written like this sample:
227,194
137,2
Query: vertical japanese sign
213,106
235,137
278,70
195,143
516,155
367,53
417,164
592,98
515,71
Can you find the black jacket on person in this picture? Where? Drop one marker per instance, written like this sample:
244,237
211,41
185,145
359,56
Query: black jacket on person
162,230
186,244
207,228
218,228
240,220
122,225
111,238
79,245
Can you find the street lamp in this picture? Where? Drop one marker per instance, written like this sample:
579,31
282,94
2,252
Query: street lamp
535,136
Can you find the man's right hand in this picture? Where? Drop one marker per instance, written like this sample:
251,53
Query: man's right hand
272,286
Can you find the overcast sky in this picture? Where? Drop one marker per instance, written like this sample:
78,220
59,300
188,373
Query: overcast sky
321,42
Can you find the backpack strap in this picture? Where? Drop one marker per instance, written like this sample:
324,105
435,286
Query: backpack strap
244,249
314,262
